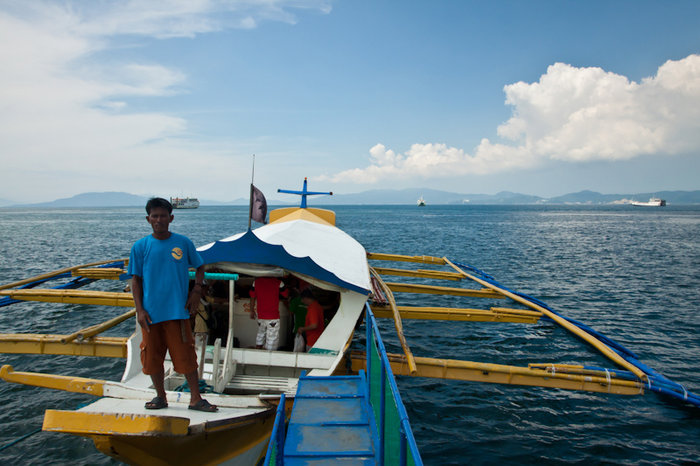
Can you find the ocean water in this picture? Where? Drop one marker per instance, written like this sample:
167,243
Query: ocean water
631,273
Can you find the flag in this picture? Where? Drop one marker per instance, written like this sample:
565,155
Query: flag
258,209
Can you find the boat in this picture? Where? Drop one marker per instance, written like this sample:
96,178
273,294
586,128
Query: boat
652,202
248,384
184,202
421,202
258,390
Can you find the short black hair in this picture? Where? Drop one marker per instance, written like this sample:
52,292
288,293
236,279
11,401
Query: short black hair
156,202
307,293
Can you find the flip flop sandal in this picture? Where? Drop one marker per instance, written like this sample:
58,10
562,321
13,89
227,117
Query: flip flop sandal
156,403
203,405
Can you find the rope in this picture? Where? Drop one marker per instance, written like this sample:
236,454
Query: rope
24,437
203,387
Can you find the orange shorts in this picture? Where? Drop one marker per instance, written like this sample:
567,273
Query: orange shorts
174,336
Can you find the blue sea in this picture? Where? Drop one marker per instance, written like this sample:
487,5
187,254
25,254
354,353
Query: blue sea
631,273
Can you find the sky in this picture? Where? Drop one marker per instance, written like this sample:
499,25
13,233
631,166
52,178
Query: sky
179,97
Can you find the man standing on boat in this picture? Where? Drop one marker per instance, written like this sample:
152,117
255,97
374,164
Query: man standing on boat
159,265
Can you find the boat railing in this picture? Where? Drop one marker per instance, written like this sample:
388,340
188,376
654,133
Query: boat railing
274,455
397,444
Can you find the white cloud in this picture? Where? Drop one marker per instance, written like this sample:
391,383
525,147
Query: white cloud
571,114
65,123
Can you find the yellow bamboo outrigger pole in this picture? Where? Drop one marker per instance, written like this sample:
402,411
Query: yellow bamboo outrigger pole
93,330
535,376
600,346
55,273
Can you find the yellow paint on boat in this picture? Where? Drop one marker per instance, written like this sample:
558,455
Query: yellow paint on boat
83,423
494,314
504,374
287,214
99,273
402,258
57,382
23,343
443,290
587,337
102,298
93,330
55,273
208,445
420,273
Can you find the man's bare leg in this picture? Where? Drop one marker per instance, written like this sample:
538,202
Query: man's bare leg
158,379
193,381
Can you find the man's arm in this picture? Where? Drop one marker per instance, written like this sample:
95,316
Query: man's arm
142,316
196,294
251,309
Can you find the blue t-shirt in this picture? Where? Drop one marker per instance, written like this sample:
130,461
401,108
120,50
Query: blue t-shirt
163,266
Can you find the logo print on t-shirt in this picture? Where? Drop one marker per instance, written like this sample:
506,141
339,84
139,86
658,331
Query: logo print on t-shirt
177,253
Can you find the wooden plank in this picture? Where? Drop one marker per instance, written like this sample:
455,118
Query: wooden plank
107,347
503,374
460,314
420,273
402,258
99,328
57,382
117,424
57,272
103,298
430,289
100,273
585,336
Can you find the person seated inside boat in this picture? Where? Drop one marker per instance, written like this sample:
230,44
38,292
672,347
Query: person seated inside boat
266,294
200,324
314,323
213,311
296,307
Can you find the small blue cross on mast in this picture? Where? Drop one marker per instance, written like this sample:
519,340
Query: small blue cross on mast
303,193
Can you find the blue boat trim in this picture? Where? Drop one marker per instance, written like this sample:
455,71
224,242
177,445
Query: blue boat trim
249,249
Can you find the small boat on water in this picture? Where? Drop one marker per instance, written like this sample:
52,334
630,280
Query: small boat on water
421,202
652,202
184,202
255,389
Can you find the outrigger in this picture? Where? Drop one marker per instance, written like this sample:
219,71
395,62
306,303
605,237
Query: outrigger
254,387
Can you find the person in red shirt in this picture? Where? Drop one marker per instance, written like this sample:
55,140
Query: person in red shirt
266,293
314,325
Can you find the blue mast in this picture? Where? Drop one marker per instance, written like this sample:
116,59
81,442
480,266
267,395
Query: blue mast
303,193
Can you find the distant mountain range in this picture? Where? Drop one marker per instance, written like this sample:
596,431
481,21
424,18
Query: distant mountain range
387,196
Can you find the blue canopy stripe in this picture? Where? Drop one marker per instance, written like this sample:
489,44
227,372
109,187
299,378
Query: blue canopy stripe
249,249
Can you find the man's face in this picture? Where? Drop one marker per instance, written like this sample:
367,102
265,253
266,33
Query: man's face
160,219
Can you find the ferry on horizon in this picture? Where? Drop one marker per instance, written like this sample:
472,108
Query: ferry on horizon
184,202
653,202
